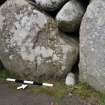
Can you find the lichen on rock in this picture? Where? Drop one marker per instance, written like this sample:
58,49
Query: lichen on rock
31,44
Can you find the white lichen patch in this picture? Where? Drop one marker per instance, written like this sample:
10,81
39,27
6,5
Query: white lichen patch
65,49
18,2
21,2
1,21
39,51
63,67
44,52
55,57
43,2
39,60
11,57
22,37
92,49
6,50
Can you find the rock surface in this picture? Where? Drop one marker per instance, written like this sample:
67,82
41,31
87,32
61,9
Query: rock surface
30,44
92,46
48,5
69,17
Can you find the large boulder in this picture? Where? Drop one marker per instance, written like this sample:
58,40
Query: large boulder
48,5
92,46
70,16
31,45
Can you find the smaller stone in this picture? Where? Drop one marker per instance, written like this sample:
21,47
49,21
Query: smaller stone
70,94
48,5
70,79
70,16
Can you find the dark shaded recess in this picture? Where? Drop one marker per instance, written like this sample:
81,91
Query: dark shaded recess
75,70
2,1
53,13
19,81
84,3
74,34
37,83
1,65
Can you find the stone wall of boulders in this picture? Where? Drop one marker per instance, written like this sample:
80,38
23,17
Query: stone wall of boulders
43,39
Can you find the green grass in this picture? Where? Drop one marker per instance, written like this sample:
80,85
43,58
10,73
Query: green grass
60,89
4,74
82,90
102,99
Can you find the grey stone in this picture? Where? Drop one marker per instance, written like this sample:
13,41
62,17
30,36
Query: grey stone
69,17
92,0
31,45
70,79
48,5
92,46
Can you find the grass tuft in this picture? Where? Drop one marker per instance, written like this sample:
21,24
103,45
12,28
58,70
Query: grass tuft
4,74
